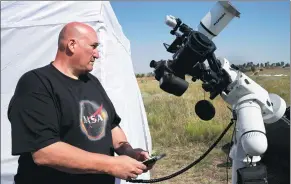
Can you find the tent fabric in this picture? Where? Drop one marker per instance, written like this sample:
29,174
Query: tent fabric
29,32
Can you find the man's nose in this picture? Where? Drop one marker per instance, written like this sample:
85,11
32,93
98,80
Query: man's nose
96,53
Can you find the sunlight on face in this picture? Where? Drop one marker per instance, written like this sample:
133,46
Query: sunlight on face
87,52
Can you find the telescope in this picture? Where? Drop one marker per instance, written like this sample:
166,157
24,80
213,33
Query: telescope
251,104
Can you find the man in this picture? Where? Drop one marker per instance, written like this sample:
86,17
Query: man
64,126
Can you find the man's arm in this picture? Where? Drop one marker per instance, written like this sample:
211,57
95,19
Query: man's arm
120,143
122,146
70,159
67,158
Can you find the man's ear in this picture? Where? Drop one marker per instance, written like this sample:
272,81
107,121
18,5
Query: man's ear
72,45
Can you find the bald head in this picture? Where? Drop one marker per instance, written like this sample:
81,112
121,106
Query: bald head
77,49
75,30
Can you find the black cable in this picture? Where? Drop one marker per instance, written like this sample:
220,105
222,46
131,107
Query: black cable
186,168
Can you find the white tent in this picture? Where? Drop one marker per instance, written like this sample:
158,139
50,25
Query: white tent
29,32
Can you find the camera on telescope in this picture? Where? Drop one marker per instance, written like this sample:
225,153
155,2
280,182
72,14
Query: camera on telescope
190,49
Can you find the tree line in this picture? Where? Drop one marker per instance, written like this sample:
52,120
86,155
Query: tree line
245,67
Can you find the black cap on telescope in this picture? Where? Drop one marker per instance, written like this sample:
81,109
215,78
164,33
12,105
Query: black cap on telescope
204,110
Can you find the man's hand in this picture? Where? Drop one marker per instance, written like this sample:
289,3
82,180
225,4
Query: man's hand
122,147
124,167
140,155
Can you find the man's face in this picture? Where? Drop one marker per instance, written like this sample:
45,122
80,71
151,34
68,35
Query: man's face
86,52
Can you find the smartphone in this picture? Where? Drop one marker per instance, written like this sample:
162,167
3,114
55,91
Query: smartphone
153,159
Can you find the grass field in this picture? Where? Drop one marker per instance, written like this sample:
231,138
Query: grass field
177,131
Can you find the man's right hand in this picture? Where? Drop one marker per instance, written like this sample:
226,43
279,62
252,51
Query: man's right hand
125,167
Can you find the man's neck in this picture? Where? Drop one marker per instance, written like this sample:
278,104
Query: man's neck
63,67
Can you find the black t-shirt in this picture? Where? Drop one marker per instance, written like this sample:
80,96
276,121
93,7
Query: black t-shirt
49,106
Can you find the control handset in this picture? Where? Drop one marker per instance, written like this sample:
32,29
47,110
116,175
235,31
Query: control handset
153,159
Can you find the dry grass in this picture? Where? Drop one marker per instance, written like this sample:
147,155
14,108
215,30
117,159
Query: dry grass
177,131
180,156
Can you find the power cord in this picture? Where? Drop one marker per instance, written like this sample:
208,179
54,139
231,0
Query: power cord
189,166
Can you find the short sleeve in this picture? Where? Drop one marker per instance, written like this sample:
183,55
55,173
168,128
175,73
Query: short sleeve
116,121
33,117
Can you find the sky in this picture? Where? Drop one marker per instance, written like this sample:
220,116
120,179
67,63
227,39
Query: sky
261,34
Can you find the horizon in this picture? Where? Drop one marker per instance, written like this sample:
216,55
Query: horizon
262,31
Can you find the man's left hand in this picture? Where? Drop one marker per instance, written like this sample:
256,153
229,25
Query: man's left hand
141,155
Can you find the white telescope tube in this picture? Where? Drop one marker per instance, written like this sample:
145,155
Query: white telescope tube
250,138
217,19
251,128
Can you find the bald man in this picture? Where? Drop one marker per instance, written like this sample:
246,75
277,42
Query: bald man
64,126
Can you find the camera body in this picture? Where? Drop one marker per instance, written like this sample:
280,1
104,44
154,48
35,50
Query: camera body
190,49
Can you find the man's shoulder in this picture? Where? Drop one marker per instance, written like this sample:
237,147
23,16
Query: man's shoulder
32,78
43,69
